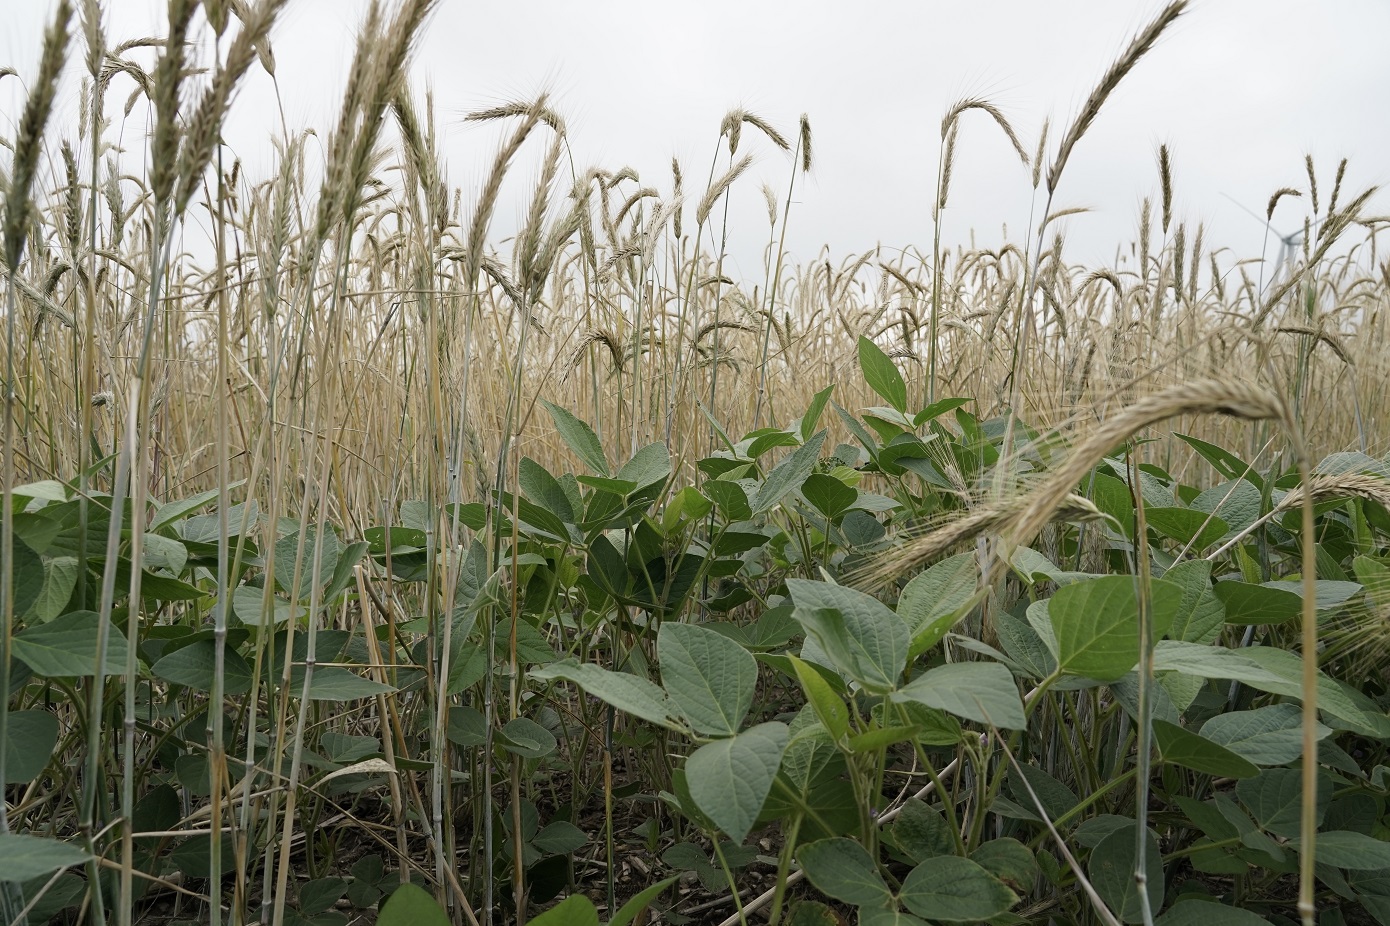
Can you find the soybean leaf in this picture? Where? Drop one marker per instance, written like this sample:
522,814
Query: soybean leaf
708,676
410,905
980,691
842,869
828,706
729,779
194,666
1274,799
31,737
860,634
830,496
932,601
808,423
1257,604
881,375
1112,873
66,646
1097,624
951,889
1194,751
1196,529
628,693
1270,735
580,438
1205,913
1201,613
639,902
788,475
526,738
1349,849
24,857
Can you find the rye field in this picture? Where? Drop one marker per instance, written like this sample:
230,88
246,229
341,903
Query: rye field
366,565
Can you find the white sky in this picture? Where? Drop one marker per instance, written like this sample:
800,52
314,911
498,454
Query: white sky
1239,89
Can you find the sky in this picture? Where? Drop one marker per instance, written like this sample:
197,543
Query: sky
1240,91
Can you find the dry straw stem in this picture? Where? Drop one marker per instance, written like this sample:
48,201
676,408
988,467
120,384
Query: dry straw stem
1138,48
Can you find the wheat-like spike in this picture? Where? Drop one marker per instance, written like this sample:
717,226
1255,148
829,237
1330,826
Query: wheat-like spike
516,109
954,113
805,143
1274,200
631,202
732,128
1165,183
1312,181
205,128
94,35
1337,186
717,188
340,144
19,206
1209,396
487,202
1138,48
776,137
169,73
1040,153
947,163
677,197
533,229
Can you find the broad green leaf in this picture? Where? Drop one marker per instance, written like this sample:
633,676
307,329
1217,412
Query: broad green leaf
881,375
980,691
807,425
628,693
59,579
66,647
29,577
788,475
1236,502
1097,624
1196,530
559,837
247,602
950,889
840,868
1270,735
580,438
1191,750
193,666
320,553
828,495
709,678
164,553
829,708
1207,913
650,466
932,601
334,683
639,902
1274,799
172,511
861,635
1010,861
1201,614
47,490
731,499
24,857
320,894
1257,604
1349,849
410,905
543,489
1221,459
873,917
526,738
1272,670
1111,868
729,779
31,736
921,832
1328,593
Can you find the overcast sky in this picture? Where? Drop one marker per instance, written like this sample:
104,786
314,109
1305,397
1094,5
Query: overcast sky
1240,90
